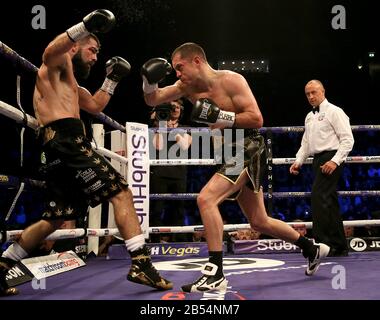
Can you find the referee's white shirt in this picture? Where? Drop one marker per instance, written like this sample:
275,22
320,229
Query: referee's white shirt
326,130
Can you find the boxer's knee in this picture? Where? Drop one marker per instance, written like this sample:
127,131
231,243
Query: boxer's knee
260,224
123,196
205,200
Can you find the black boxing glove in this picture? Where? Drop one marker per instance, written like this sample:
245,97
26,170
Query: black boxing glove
116,69
206,111
98,21
152,72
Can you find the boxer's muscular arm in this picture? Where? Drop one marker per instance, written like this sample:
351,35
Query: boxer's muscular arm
97,21
248,114
56,53
93,103
165,94
116,69
244,113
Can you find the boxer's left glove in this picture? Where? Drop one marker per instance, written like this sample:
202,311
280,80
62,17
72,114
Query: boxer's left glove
206,111
153,71
98,21
116,69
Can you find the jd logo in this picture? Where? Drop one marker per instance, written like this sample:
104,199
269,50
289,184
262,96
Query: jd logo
358,244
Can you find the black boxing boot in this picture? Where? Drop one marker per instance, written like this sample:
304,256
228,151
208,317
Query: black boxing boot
143,272
5,265
322,251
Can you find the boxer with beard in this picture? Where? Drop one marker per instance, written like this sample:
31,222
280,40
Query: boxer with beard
76,176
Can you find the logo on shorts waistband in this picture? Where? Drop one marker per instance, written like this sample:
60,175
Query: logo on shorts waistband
49,134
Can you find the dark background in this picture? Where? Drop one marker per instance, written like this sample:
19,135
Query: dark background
295,36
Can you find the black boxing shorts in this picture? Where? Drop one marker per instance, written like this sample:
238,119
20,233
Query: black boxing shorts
76,175
254,157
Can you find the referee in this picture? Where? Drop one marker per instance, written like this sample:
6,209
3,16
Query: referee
327,137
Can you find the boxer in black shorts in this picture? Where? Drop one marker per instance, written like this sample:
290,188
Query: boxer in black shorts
76,175
254,161
223,100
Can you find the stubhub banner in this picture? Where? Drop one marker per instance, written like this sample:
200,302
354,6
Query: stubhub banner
138,170
179,249
263,246
281,246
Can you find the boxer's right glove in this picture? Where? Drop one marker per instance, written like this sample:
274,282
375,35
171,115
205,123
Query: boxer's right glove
206,111
98,21
116,69
152,72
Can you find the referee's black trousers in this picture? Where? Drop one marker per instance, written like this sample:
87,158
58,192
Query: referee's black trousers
327,220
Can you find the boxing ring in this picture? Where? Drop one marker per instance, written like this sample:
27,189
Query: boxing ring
252,276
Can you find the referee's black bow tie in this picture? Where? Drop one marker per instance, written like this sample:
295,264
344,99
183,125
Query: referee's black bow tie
316,109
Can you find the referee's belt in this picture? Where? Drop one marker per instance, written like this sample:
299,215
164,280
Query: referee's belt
317,155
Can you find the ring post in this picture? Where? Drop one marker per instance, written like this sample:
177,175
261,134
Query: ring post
117,146
95,215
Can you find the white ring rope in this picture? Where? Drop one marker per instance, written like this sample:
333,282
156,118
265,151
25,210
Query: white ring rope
182,162
16,114
155,162
110,154
300,194
193,196
233,227
367,127
79,232
302,128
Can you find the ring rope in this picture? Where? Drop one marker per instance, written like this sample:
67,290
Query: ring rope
353,159
17,115
372,127
192,196
79,232
182,162
302,128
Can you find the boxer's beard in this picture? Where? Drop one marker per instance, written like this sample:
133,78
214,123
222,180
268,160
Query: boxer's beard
81,69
